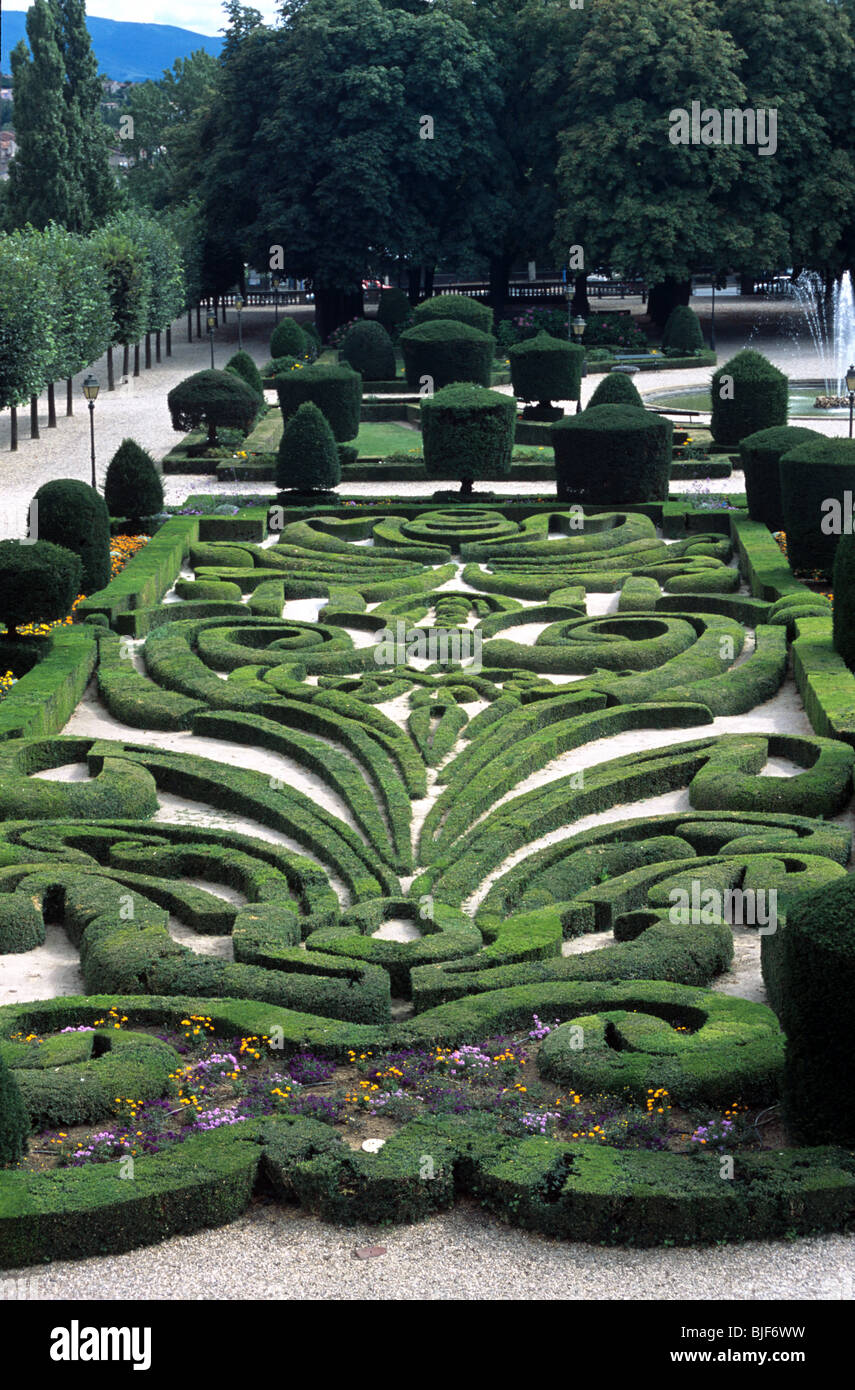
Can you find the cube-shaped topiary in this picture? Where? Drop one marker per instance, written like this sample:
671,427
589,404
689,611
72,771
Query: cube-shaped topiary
243,365
335,390
393,311
133,487
843,616
441,352
459,307
308,459
545,369
613,453
288,339
817,496
748,394
761,454
616,388
72,514
369,350
219,400
682,332
14,1120
468,433
38,583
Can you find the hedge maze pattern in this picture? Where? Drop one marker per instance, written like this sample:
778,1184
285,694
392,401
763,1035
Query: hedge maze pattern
450,808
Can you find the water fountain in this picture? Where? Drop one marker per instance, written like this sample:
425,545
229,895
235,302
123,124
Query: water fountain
832,327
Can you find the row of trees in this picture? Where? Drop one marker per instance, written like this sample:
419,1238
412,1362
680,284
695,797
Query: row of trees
548,128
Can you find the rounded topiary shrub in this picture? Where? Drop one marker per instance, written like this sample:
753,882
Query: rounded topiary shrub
133,486
815,988
369,350
613,453
544,369
817,497
468,433
682,331
442,351
288,339
72,514
218,400
244,367
14,1120
761,454
312,335
459,307
616,388
335,390
308,459
393,311
843,615
38,583
748,394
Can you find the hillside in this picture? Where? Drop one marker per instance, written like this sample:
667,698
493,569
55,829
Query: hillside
126,52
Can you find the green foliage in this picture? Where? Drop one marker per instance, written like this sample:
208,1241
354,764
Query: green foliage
460,307
38,582
546,369
761,454
41,186
748,394
156,243
82,317
336,391
682,332
369,350
220,400
613,453
393,311
844,599
27,341
126,270
244,366
288,339
446,352
815,479
616,388
308,458
133,487
74,515
468,433
14,1121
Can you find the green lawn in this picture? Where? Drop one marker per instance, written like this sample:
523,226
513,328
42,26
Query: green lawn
388,437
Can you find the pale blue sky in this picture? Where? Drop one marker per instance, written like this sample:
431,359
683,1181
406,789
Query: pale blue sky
204,16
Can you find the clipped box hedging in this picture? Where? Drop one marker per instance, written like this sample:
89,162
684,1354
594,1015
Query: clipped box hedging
459,307
817,494
682,331
441,352
611,454
468,432
844,600
74,515
748,394
760,455
546,369
335,390
617,388
369,350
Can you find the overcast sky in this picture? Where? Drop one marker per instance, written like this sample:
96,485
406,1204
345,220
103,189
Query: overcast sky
205,16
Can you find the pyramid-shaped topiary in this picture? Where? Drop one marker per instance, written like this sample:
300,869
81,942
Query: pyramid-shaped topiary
308,459
244,367
133,488
616,388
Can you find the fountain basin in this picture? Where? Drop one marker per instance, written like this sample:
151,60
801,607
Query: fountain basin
800,406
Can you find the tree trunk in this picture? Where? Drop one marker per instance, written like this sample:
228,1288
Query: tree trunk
157,356
223,304
334,307
69,398
125,359
666,296
498,297
51,407
212,435
189,325
148,351
414,283
13,436
169,341
580,303
111,379
198,320
746,283
34,417
136,359
428,271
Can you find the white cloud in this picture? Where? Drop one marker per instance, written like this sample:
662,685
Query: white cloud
203,16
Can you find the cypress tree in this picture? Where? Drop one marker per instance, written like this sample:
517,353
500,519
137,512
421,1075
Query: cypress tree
40,176
87,135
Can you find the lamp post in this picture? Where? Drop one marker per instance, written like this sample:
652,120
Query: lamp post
239,307
91,387
712,315
578,326
276,282
850,387
212,323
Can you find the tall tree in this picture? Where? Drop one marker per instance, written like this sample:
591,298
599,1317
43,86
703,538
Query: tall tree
41,182
82,319
88,136
26,333
128,278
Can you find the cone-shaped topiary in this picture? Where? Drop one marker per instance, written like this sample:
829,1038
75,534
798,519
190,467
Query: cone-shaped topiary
761,453
369,350
545,369
468,433
844,599
455,306
682,331
243,365
220,400
393,311
441,352
817,487
74,515
336,391
38,583
616,388
613,454
288,339
14,1120
308,459
748,394
133,488
313,336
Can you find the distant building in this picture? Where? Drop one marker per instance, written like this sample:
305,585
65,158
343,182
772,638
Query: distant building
6,94
8,150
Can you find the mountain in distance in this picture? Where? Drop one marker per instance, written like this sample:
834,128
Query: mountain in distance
126,51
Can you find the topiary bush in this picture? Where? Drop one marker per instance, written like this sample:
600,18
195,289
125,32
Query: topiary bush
38,582
393,312
335,390
244,367
312,336
459,307
441,352
369,350
815,478
616,388
816,965
72,514
133,486
761,454
682,332
14,1121
468,433
308,458
219,400
748,394
288,339
613,453
843,615
545,369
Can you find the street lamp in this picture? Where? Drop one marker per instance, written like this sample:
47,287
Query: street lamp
212,323
578,326
850,387
239,307
276,282
91,387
